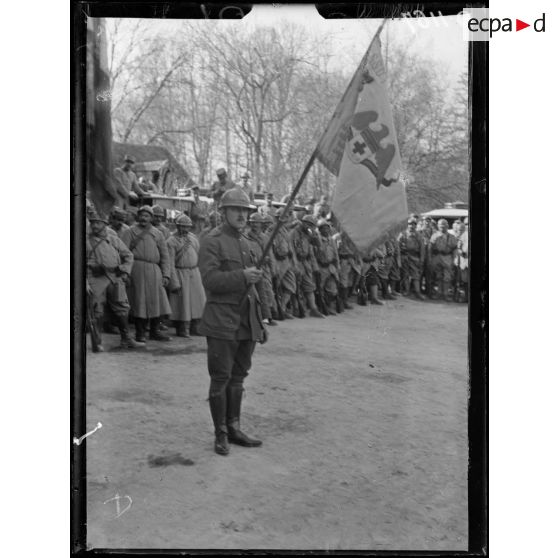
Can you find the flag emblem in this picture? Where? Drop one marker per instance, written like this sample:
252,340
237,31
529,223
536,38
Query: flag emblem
367,146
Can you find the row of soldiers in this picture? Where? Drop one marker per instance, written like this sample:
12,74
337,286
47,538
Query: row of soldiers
137,266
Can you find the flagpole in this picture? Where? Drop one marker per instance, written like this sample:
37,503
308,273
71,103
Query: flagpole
310,162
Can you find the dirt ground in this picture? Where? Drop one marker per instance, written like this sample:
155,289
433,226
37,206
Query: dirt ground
363,418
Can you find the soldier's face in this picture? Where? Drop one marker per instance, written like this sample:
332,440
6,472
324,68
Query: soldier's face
144,219
222,178
97,227
183,230
256,227
236,217
442,227
156,220
116,222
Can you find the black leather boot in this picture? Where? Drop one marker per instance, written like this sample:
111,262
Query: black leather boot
140,330
126,342
218,408
154,331
234,402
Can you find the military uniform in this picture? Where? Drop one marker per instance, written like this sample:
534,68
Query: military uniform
126,182
442,250
285,262
186,292
147,294
232,323
412,251
109,261
218,188
328,265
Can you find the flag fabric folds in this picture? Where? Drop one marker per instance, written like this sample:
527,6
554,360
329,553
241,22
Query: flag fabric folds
360,147
98,119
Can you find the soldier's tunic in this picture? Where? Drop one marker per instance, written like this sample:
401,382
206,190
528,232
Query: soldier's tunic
147,295
265,286
442,247
163,230
108,257
199,214
231,320
349,266
120,231
387,261
267,210
463,246
126,182
284,261
218,189
306,263
188,302
412,250
328,264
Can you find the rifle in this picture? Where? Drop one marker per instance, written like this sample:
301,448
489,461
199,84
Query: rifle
92,323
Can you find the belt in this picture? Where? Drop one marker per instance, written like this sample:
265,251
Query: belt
186,267
146,261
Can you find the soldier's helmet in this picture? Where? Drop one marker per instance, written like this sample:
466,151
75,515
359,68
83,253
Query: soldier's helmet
184,221
94,216
234,198
323,223
442,222
268,219
256,218
310,219
158,210
412,221
118,213
146,209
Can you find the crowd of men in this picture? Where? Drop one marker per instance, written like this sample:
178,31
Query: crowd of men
140,272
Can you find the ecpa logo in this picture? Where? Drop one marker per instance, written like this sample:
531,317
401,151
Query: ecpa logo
478,26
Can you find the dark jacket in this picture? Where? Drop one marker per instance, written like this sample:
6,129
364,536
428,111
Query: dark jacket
224,254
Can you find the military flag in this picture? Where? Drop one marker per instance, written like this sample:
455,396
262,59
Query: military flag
98,122
360,147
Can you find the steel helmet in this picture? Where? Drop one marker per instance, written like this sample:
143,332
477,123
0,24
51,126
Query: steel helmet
158,210
94,216
184,221
146,209
267,219
234,198
256,218
310,219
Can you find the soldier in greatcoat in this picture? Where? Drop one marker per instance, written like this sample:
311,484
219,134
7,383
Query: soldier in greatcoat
328,264
232,320
109,263
187,296
443,249
150,275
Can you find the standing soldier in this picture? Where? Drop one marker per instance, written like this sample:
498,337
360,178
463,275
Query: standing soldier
117,221
200,210
268,208
126,182
221,185
150,275
265,286
246,188
426,232
384,269
284,266
348,267
443,249
303,239
412,251
321,209
159,220
109,263
131,216
462,263
231,319
187,297
328,262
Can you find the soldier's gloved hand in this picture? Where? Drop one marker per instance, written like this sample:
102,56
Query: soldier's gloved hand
265,336
252,275
165,281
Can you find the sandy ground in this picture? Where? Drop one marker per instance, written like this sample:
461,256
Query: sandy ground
364,423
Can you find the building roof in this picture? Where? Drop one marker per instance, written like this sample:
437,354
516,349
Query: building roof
148,154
